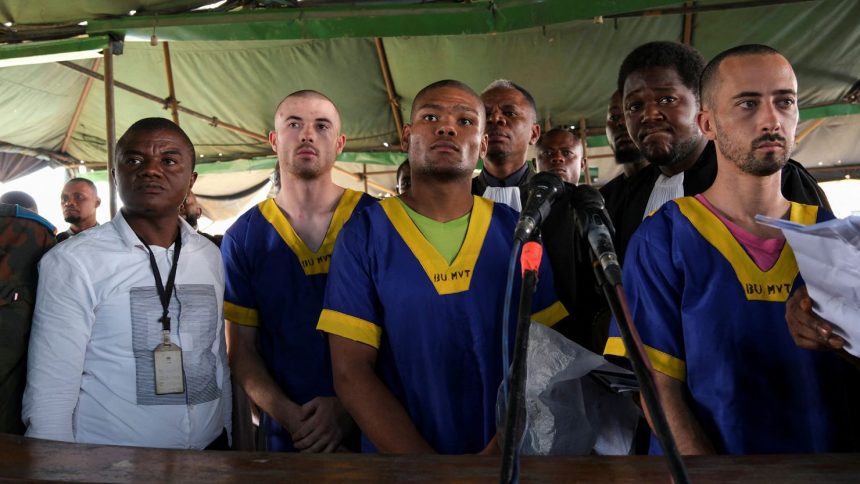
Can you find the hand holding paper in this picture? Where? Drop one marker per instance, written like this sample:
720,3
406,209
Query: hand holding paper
828,255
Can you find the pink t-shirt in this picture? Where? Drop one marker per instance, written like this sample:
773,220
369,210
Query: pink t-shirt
764,252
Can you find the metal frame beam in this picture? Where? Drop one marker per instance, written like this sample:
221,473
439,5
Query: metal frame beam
53,47
337,21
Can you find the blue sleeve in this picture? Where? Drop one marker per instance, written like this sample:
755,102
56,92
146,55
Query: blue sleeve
653,284
546,308
351,307
240,306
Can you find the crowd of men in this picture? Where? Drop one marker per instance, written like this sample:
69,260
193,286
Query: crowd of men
354,324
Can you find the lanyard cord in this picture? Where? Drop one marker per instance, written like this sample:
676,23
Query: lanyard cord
164,293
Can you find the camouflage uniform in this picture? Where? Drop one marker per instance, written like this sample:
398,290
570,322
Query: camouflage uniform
24,238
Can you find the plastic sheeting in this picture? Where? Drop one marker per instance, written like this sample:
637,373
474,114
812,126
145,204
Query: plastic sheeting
573,404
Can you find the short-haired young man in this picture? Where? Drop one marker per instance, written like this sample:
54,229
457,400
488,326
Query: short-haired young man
414,300
277,258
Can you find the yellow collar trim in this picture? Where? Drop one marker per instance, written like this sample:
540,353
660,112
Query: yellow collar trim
772,285
447,279
312,262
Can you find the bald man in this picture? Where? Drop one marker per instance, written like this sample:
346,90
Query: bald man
277,261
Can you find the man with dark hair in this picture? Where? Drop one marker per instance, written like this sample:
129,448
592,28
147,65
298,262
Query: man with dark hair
404,177
413,305
511,128
623,148
659,82
708,286
626,154
128,335
277,258
24,238
20,198
560,152
79,201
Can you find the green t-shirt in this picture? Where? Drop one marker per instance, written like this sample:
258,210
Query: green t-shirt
445,237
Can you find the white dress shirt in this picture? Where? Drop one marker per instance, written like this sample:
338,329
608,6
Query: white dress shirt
90,375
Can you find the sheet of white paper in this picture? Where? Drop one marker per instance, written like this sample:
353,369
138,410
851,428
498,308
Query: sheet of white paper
828,255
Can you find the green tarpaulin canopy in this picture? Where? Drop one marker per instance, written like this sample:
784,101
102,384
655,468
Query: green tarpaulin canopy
233,64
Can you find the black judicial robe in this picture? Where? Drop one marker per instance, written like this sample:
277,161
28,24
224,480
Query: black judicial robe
573,276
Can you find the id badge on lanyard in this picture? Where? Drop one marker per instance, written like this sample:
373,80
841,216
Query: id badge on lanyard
169,376
167,356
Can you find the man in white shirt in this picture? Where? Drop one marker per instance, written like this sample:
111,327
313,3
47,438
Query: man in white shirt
128,343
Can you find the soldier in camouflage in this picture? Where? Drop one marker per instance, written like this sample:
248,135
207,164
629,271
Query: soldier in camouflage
24,238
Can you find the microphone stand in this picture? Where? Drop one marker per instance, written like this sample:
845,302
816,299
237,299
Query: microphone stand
515,408
643,370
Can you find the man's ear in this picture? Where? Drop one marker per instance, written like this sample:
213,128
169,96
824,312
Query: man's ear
485,143
535,134
98,202
273,141
705,120
340,144
191,183
404,140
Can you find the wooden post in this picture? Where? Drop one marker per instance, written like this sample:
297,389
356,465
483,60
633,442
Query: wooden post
583,138
812,127
76,117
389,87
170,88
687,35
110,117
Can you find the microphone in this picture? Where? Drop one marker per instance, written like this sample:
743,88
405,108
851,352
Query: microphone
543,188
593,223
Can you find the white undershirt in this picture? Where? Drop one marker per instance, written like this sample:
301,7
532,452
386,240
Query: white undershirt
510,196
